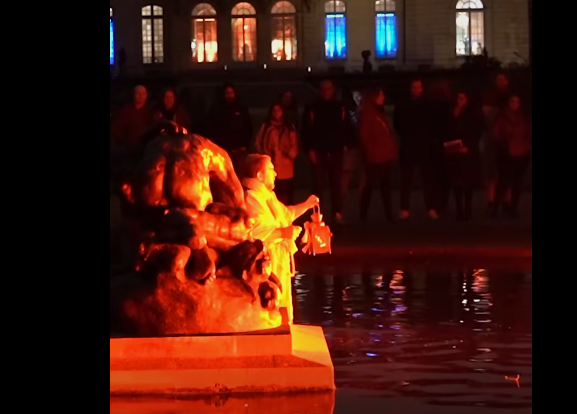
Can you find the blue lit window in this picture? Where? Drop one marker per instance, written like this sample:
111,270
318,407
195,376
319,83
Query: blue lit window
386,29
111,39
335,30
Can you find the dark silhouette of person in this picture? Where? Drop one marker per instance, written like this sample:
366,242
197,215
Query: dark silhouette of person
326,134
379,150
412,121
464,131
170,110
511,141
230,126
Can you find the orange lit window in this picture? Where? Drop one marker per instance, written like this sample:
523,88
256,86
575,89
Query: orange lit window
244,32
152,34
204,44
284,31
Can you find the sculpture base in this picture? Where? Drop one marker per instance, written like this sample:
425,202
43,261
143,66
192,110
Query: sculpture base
317,403
291,358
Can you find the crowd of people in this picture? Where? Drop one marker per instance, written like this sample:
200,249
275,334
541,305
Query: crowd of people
439,136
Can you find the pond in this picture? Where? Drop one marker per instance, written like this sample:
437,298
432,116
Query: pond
405,340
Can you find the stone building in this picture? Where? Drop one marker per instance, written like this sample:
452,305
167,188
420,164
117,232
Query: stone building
173,36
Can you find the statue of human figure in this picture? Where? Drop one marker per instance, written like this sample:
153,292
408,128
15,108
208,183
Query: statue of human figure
273,221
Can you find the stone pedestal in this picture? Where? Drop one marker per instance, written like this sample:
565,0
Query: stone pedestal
285,359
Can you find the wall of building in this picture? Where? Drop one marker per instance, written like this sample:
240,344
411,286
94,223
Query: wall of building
426,33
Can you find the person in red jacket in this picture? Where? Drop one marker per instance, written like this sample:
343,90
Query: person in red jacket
379,149
132,121
511,141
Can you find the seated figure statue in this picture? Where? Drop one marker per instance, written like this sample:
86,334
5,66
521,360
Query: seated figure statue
273,221
199,270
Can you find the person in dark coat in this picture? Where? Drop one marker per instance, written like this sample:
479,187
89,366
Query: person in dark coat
441,104
290,109
465,125
170,110
413,124
230,126
130,124
379,150
327,133
512,143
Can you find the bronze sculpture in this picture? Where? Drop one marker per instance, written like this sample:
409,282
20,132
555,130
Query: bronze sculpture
198,271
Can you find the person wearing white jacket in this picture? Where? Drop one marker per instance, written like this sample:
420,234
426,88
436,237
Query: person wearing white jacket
279,141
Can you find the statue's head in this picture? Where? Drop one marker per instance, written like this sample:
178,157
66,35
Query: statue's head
261,168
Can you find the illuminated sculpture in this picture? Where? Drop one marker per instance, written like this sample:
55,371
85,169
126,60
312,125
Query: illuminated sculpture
199,271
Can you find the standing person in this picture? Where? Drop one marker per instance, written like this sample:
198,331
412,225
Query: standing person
278,139
230,126
494,101
171,111
379,150
326,135
290,109
441,106
412,121
511,140
351,160
130,124
465,128
274,221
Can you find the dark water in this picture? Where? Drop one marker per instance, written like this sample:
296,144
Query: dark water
410,341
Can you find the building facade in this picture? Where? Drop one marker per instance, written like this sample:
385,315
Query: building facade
173,36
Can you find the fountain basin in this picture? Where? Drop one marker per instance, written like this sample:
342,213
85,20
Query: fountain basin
291,358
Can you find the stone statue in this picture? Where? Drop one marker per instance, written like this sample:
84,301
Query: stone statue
199,271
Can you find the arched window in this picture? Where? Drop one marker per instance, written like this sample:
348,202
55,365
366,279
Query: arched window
284,31
470,27
152,34
111,39
204,43
335,30
385,29
244,32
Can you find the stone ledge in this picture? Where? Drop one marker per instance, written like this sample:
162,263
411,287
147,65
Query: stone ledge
318,403
296,361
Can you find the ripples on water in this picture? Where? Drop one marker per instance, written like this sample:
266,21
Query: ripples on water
421,341
411,341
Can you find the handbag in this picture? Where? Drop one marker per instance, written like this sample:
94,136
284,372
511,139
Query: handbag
317,237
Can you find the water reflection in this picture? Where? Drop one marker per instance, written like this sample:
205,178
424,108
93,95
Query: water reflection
452,339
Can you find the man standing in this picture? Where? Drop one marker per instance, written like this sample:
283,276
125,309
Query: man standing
412,121
327,133
132,121
273,221
230,126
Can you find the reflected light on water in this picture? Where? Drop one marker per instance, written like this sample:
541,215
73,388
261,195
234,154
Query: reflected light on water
431,338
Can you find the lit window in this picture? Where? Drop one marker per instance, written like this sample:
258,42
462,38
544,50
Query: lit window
470,27
111,39
244,32
284,31
386,29
204,45
152,35
335,30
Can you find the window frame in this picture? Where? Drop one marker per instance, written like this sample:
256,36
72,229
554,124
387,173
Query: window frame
329,59
233,17
193,18
152,17
469,11
394,12
282,15
113,37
